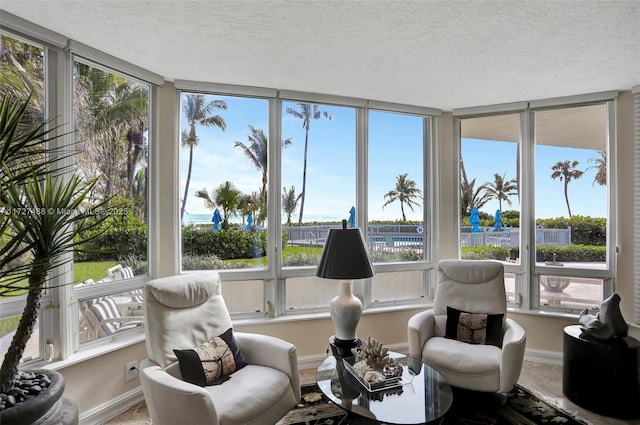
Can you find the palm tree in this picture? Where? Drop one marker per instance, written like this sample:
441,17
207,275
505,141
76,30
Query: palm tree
256,151
22,75
225,196
405,192
566,171
601,167
479,197
466,191
501,189
248,204
112,116
198,113
289,202
307,113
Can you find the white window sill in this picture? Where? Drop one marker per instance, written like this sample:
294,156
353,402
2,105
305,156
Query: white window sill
95,351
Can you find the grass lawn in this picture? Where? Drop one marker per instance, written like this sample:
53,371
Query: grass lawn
95,270
8,324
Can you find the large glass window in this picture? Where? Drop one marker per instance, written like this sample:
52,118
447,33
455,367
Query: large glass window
396,229
563,186
22,74
571,204
319,190
490,191
224,161
223,181
223,189
111,119
489,187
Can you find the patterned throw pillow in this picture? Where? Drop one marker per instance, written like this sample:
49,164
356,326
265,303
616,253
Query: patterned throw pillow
474,328
212,362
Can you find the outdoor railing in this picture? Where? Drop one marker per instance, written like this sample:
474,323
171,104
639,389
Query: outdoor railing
391,237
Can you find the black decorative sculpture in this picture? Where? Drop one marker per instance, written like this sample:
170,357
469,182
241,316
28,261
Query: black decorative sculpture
608,323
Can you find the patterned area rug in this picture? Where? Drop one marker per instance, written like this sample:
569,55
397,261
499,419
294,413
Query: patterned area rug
469,408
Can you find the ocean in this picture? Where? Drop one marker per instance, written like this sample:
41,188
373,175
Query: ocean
197,219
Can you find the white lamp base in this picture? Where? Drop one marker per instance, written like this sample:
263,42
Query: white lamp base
345,313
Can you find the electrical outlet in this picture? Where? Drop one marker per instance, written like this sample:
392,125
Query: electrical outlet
131,370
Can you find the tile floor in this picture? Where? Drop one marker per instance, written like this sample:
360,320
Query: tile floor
542,379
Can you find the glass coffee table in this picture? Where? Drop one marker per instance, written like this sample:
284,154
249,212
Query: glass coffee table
421,396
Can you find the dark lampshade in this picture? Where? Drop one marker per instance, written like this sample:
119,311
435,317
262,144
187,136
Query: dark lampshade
345,255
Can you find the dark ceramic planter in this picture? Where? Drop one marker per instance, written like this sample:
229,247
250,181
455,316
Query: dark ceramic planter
48,408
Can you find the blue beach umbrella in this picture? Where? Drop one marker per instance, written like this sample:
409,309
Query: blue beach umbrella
498,218
250,220
352,217
217,219
474,219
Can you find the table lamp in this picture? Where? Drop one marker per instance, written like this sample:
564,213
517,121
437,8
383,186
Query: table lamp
345,257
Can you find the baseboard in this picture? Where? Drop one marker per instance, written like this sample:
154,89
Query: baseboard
109,410
112,408
544,357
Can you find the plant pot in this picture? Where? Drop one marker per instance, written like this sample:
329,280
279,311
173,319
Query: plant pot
47,408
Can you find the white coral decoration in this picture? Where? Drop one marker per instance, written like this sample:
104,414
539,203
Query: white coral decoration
361,367
372,376
373,353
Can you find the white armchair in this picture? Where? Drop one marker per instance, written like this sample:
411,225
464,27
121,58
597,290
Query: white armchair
185,311
474,286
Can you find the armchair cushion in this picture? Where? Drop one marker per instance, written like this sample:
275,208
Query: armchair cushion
211,362
474,328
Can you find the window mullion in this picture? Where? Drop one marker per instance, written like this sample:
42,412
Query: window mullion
275,288
636,197
529,284
362,287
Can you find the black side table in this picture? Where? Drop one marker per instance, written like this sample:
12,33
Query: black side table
602,375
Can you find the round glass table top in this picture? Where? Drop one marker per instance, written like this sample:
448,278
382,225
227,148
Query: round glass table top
422,395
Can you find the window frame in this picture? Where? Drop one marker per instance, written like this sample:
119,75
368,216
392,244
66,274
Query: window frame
275,275
527,273
430,123
635,91
58,315
23,31
72,294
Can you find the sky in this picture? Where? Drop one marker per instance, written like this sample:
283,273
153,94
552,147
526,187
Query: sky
484,158
395,148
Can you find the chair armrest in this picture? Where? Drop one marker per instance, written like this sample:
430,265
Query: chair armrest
173,401
419,330
512,356
269,351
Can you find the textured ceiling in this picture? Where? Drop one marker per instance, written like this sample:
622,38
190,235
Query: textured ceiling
443,54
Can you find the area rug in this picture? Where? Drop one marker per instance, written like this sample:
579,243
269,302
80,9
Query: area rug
469,408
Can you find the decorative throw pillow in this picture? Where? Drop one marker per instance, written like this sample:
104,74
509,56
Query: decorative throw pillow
474,328
212,362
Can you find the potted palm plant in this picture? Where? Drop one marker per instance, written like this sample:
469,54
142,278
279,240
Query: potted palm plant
43,219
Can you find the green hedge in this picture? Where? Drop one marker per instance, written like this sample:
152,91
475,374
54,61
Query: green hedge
568,253
572,253
118,237
485,252
226,244
584,230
